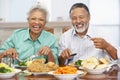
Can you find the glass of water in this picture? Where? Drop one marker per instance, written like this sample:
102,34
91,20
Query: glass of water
7,60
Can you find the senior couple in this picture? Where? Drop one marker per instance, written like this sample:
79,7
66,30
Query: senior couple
80,39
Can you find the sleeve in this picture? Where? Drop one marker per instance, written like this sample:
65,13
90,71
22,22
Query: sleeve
9,43
61,44
54,48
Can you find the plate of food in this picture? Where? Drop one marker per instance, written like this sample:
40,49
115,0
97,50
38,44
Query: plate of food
23,65
66,76
35,73
94,65
38,67
66,73
77,64
20,67
7,72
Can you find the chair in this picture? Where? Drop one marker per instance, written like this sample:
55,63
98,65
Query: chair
65,29
49,29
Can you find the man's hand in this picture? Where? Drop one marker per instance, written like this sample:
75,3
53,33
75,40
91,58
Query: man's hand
65,54
100,43
11,53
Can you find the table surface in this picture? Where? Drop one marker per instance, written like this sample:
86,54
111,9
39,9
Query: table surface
112,74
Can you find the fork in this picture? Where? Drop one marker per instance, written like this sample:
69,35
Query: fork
18,59
72,55
33,56
89,36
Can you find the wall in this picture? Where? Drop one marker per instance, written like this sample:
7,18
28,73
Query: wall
7,28
16,10
60,8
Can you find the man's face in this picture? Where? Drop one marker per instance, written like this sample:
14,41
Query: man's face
36,20
80,19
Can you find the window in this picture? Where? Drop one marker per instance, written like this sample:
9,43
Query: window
105,15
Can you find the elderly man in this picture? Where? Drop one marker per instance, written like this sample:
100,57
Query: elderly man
82,40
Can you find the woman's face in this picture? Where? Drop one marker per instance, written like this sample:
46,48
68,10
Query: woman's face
36,20
80,19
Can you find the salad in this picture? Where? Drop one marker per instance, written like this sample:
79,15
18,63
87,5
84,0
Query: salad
4,68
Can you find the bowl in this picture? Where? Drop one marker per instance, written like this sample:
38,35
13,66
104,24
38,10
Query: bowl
95,71
66,76
9,75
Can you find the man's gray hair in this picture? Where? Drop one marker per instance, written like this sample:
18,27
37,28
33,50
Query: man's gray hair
39,8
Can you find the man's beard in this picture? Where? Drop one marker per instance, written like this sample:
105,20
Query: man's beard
81,30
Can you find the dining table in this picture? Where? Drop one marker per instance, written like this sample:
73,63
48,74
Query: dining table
112,74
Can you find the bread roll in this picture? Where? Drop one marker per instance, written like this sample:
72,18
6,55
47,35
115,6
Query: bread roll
104,60
100,66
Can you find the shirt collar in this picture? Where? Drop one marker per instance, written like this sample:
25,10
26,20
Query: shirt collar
41,36
27,35
73,32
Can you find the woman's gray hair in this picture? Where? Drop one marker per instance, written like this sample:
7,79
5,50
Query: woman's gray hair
39,8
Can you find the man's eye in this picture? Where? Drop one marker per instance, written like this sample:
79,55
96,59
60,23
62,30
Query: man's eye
41,19
73,18
33,19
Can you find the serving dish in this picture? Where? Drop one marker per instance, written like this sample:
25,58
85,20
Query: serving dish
35,73
10,74
95,71
66,76
20,67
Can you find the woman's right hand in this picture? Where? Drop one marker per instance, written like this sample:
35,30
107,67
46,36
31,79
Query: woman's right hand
12,53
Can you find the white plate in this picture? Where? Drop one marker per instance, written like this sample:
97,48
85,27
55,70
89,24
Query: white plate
95,71
9,75
66,76
20,67
35,73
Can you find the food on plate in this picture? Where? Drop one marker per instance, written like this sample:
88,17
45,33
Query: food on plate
4,68
78,62
94,63
28,63
66,70
104,60
22,63
100,66
39,65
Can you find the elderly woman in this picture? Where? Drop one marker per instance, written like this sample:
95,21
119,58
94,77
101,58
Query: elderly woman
33,40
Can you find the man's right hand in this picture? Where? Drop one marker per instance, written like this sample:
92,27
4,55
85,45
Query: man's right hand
65,53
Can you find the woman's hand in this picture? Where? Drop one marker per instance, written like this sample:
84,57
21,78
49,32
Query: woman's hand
11,53
45,50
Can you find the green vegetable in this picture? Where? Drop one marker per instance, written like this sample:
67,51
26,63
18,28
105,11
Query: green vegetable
78,63
4,70
22,64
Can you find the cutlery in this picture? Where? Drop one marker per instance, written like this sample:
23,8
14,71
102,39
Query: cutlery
33,56
72,55
89,36
19,59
